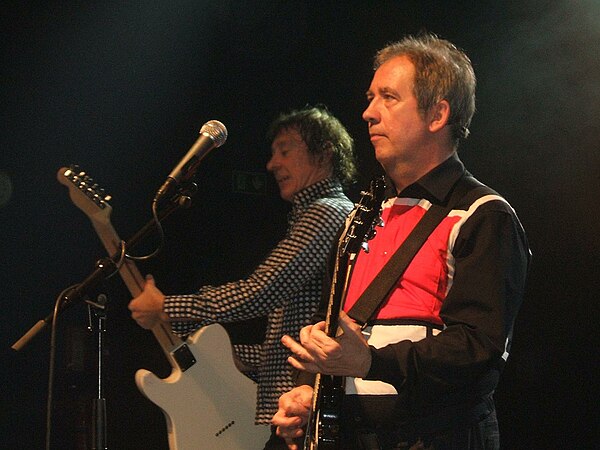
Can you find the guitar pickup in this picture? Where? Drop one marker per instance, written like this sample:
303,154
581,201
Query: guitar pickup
184,357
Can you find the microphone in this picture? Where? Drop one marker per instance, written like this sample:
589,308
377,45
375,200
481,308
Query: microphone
212,134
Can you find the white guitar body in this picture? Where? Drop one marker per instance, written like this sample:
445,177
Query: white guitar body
211,405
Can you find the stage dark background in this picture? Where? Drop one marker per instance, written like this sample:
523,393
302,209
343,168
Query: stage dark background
122,88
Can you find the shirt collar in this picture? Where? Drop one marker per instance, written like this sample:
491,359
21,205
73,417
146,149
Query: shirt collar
324,188
437,183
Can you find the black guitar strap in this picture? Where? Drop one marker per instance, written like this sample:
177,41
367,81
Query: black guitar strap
467,189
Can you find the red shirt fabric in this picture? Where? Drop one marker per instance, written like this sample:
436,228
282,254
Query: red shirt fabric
421,290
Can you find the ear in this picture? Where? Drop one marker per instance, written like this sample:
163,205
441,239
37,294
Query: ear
439,116
326,156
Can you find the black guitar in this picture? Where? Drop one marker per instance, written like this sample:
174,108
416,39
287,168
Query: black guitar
322,429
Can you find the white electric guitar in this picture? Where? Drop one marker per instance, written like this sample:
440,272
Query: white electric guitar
207,402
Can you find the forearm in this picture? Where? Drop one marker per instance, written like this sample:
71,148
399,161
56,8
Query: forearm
296,259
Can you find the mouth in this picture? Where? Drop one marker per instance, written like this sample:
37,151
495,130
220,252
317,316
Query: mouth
375,133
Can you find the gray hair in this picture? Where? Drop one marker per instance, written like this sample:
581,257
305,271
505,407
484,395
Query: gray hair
442,72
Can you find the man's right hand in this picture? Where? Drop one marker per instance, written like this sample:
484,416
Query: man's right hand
294,408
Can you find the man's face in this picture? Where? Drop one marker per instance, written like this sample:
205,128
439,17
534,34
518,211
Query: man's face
292,165
397,129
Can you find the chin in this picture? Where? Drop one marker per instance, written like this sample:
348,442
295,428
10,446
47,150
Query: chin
383,157
286,196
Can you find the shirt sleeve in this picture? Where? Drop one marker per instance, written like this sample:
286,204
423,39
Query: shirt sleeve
297,258
491,258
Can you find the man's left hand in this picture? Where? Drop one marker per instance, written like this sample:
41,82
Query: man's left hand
347,354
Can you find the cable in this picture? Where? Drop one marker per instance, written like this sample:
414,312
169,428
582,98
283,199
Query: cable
52,363
161,235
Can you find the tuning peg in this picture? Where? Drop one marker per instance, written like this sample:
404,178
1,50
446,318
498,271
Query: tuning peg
73,169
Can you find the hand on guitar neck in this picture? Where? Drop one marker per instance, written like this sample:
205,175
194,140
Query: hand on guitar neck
147,308
347,354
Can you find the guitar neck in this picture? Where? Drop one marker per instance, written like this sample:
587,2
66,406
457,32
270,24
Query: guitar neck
134,281
322,428
339,288
88,197
322,425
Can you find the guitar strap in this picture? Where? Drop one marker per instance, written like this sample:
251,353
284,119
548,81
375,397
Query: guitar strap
467,188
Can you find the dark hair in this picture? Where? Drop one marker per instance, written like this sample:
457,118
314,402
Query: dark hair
442,72
322,132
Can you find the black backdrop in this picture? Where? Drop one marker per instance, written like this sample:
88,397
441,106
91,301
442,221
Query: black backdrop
122,88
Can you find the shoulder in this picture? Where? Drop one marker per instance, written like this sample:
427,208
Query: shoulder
480,207
339,204
488,216
477,198
325,210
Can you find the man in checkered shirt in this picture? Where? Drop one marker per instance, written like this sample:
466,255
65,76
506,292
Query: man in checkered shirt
312,156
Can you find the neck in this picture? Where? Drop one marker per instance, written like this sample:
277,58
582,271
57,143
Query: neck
405,173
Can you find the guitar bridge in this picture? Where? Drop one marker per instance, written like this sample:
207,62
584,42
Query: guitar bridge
184,357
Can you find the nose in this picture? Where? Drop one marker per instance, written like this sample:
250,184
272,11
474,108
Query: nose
272,163
370,113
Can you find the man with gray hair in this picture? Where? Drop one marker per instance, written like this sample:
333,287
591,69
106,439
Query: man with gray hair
421,372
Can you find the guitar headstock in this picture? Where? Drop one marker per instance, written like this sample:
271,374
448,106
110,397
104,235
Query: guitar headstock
85,193
364,218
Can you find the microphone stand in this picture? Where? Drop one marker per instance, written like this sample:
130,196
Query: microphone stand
97,310
105,267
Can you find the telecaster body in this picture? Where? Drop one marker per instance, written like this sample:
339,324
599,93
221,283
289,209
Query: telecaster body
211,405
